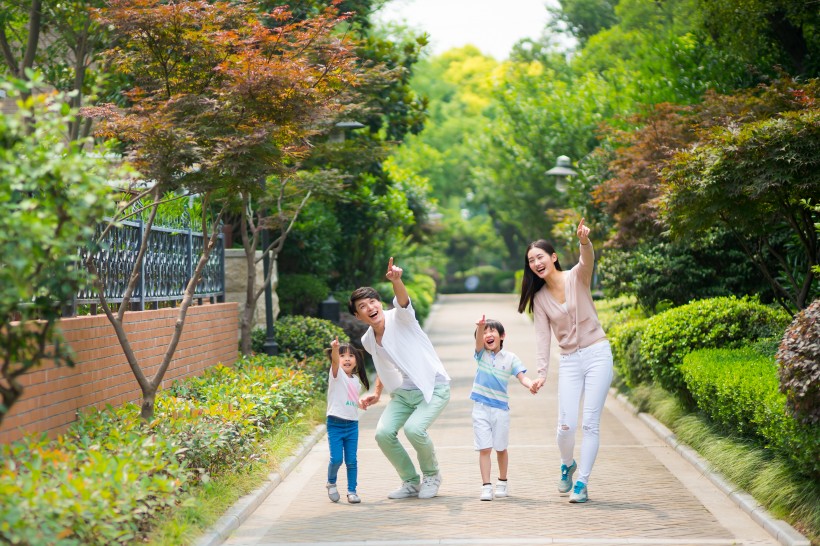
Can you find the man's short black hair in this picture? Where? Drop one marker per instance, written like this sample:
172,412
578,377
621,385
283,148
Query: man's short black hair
363,293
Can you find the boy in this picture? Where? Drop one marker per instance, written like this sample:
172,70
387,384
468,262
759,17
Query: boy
491,409
408,367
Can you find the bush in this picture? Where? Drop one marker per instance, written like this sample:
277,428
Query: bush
717,322
105,480
799,359
258,337
625,338
739,389
303,337
300,294
98,485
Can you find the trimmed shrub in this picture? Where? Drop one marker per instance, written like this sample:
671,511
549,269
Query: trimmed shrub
739,389
716,322
300,294
303,337
626,345
799,359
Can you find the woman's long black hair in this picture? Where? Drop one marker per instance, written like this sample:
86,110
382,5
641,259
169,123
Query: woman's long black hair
531,283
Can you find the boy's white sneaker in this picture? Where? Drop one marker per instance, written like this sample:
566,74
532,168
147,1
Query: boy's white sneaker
501,490
407,490
487,492
429,486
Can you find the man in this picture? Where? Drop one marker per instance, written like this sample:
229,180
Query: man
409,369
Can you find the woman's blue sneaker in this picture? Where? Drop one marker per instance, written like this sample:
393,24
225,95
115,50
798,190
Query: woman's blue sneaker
579,493
565,483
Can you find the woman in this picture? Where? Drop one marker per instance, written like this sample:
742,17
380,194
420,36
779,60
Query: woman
561,303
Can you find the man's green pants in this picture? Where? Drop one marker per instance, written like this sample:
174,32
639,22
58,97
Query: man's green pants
408,409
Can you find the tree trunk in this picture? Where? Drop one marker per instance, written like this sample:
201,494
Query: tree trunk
246,329
149,393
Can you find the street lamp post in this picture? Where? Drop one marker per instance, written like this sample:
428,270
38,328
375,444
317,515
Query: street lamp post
562,170
339,132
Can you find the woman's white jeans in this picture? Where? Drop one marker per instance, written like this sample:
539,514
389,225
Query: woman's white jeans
588,373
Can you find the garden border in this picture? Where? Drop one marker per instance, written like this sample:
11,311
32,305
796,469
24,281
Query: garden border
779,529
242,509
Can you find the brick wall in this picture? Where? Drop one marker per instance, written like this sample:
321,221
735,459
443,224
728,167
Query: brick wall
102,375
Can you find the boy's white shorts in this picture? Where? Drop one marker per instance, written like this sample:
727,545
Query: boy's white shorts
491,427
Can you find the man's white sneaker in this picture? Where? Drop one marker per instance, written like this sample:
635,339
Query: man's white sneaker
501,490
487,492
407,490
429,486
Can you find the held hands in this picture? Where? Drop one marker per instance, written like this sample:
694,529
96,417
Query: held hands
369,400
393,271
583,232
537,384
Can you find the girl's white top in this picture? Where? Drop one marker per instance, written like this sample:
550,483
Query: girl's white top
343,395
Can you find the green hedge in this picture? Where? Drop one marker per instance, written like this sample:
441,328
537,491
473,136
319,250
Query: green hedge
739,389
300,294
104,481
716,322
625,338
302,336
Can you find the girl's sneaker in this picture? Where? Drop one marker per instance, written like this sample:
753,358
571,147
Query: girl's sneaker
487,492
501,490
565,483
332,492
579,493
353,498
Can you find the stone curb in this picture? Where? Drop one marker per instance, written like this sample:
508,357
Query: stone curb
779,529
245,506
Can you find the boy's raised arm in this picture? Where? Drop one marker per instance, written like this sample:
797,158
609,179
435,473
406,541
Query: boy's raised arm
479,333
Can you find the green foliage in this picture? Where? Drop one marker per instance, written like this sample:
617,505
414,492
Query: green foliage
303,337
625,338
52,195
717,322
662,273
98,485
490,279
313,242
751,180
739,389
111,474
799,360
300,294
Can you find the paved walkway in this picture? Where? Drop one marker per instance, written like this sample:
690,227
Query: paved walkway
641,490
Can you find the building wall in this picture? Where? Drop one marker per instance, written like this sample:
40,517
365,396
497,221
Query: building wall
53,395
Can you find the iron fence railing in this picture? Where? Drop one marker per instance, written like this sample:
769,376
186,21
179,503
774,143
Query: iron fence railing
167,266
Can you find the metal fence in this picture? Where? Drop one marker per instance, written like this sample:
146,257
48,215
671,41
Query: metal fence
167,266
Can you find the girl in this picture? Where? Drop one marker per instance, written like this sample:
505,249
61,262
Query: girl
561,303
343,415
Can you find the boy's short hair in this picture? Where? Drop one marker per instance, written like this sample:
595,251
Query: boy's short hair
363,293
494,325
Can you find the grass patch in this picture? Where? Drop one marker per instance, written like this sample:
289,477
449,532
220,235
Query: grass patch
771,481
208,502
